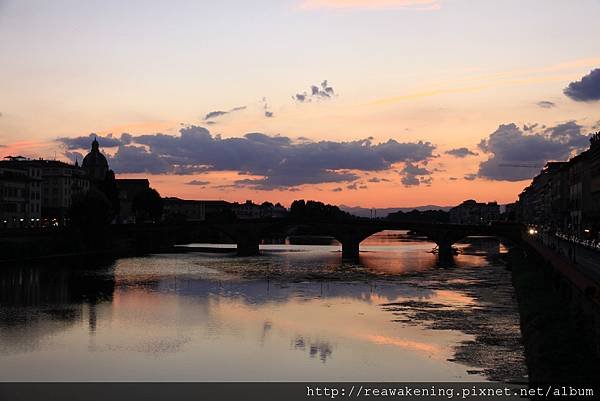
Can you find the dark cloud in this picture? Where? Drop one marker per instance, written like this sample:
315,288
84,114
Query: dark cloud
85,142
453,178
317,92
413,175
268,113
585,90
338,189
530,128
197,182
300,97
410,181
426,181
461,152
545,104
214,114
376,179
274,161
136,159
470,177
74,156
517,155
218,113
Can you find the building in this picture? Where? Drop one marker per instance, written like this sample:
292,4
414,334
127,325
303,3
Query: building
50,189
579,192
95,163
246,210
175,209
215,209
127,190
60,183
476,213
557,197
565,196
271,211
20,193
594,201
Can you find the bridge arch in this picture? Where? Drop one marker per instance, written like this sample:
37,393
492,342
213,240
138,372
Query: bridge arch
247,234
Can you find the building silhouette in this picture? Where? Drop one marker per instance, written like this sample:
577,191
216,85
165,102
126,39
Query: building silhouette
565,196
33,192
95,163
475,213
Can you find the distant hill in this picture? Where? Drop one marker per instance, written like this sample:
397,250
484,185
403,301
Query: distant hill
383,212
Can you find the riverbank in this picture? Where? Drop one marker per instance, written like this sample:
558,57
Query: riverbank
561,346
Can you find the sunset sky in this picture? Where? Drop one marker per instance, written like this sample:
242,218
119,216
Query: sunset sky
377,103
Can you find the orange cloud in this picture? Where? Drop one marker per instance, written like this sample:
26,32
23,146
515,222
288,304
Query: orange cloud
371,4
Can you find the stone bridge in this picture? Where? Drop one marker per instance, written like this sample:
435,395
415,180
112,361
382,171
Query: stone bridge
247,234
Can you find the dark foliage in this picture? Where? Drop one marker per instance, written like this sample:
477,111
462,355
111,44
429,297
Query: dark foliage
315,210
148,206
90,214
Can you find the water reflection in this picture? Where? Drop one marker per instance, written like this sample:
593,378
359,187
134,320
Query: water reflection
197,316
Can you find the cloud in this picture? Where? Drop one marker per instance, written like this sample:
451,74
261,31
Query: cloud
197,182
585,90
461,152
376,179
470,177
218,113
268,113
545,104
272,161
317,92
530,128
74,156
413,175
371,4
136,159
517,155
338,189
85,142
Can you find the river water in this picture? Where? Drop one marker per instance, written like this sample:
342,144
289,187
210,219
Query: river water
293,313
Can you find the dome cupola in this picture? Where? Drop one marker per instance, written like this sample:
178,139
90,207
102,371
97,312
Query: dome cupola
95,163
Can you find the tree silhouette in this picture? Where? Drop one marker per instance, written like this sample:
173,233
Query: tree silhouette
147,206
90,214
317,211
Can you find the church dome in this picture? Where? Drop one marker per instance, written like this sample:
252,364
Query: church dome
95,163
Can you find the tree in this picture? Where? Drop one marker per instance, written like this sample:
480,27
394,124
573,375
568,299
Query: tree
90,209
317,211
90,214
147,205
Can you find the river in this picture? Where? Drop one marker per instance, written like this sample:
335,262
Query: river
294,313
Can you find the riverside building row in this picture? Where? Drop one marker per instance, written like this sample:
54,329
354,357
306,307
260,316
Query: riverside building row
565,196
40,192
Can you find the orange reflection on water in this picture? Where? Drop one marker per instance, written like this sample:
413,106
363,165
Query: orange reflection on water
407,344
